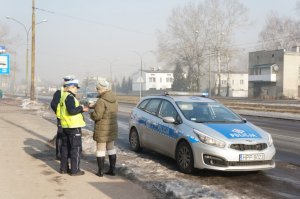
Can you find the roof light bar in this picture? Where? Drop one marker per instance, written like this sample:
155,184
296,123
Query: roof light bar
178,93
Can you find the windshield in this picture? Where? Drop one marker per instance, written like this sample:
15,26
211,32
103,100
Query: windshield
207,112
92,95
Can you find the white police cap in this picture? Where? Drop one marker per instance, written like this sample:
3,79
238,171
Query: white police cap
73,82
68,78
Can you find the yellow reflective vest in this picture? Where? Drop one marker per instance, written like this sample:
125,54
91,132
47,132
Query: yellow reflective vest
58,106
67,120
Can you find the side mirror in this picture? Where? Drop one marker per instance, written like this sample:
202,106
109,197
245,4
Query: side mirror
244,120
169,120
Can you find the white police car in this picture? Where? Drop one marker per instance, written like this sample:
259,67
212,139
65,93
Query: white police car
199,132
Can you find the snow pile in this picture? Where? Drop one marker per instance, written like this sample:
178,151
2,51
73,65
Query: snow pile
32,105
179,190
88,144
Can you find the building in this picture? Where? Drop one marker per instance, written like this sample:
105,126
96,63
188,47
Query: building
235,83
154,79
274,74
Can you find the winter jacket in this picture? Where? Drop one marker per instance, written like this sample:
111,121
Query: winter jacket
105,117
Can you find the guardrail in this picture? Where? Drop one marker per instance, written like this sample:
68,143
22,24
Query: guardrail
239,104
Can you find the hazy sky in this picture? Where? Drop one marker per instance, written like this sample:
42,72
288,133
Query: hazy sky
86,37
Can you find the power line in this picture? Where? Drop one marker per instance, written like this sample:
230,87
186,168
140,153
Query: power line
93,22
251,44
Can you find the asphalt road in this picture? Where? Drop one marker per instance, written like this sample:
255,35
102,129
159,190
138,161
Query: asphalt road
286,136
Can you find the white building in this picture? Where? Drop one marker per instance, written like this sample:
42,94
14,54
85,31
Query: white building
154,79
237,83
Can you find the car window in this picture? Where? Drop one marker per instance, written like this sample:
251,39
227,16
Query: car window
92,95
167,110
143,104
152,106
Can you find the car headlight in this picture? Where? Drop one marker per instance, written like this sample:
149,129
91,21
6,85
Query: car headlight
209,140
270,140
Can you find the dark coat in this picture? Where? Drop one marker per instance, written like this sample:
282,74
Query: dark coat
105,117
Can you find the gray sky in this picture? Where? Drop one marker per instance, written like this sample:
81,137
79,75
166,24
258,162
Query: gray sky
86,37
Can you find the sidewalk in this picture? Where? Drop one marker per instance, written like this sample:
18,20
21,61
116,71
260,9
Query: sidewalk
28,168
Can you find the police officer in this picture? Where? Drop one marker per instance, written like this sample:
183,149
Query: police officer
71,121
54,106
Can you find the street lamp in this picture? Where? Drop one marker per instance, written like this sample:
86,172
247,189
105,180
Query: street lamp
27,30
219,61
111,76
141,72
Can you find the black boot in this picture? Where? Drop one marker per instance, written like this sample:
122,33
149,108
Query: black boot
112,165
100,161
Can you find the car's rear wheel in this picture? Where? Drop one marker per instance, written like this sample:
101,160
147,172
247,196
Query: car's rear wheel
134,140
185,158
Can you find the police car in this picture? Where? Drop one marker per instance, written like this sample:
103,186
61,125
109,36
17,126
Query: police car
199,132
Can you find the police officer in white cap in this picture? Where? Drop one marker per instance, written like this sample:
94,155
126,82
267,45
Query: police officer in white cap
72,121
54,106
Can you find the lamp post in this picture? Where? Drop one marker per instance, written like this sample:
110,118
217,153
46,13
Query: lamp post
27,30
219,62
141,72
111,76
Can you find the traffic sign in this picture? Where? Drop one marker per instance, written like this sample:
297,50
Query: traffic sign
2,49
4,64
140,80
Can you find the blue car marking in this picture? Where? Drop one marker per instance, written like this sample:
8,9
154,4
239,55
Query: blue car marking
165,130
233,131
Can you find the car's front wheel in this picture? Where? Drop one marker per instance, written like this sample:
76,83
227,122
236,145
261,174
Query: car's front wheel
134,140
185,158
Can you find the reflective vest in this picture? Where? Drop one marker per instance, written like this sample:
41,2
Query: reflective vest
58,106
67,120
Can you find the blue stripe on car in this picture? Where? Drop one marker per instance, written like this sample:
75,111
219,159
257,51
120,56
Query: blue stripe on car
233,131
165,130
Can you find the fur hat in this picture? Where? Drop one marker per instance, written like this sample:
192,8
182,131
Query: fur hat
102,83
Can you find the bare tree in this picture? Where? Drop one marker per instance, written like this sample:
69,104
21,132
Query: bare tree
196,30
280,33
185,38
298,7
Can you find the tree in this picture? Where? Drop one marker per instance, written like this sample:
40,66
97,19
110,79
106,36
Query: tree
126,85
279,33
179,83
194,30
298,7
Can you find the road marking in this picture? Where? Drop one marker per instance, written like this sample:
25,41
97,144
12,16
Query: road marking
286,137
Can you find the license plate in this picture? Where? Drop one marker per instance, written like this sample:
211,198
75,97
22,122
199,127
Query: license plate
252,157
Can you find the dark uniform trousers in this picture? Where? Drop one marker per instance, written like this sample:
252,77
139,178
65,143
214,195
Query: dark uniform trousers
71,147
58,139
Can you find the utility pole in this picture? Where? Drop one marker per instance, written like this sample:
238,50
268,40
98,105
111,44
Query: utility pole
32,87
219,73
209,73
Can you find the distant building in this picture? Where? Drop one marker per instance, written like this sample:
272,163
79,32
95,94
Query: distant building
274,73
235,83
154,79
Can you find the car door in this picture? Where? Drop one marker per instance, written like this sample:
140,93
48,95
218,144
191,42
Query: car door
138,118
168,132
150,132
